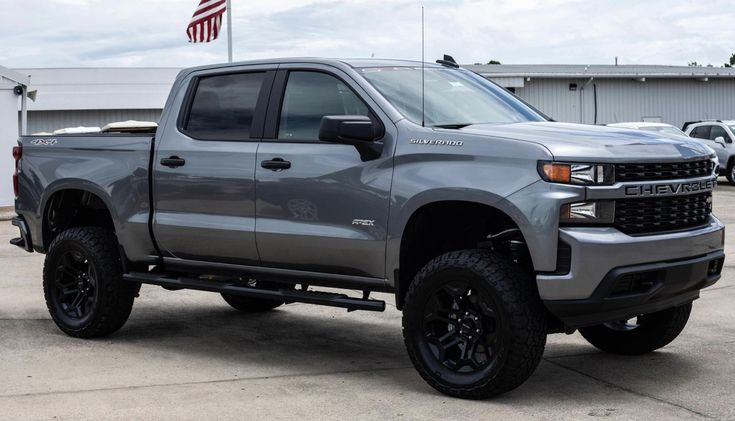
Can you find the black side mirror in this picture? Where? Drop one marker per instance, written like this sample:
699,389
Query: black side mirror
356,130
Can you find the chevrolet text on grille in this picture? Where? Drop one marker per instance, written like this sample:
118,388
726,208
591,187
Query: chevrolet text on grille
669,189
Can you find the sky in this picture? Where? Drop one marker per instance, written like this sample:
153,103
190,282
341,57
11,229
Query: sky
147,33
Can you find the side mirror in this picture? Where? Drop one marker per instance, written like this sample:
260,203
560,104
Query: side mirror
356,130
720,140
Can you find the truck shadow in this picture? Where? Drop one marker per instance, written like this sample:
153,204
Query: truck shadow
296,341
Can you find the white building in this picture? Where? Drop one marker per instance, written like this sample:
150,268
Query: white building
95,97
76,97
612,94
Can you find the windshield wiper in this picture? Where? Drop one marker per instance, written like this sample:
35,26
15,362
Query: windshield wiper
452,126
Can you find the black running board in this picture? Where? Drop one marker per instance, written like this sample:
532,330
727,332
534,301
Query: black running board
287,295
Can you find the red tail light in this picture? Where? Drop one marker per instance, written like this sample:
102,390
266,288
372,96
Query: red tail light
17,154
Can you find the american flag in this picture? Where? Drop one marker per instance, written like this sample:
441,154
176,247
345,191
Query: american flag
206,21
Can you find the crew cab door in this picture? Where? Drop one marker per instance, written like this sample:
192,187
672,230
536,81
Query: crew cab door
319,206
204,167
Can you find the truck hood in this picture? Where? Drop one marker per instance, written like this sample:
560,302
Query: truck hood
584,142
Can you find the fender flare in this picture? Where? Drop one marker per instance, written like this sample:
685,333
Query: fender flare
73,184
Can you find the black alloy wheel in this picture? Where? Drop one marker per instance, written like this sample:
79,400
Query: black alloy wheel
75,285
461,328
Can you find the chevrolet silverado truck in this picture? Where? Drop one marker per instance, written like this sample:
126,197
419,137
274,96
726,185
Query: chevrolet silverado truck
300,180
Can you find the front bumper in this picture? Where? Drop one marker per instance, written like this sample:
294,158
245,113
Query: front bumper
641,289
601,257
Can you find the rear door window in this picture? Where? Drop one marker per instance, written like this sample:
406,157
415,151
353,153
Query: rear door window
701,132
223,106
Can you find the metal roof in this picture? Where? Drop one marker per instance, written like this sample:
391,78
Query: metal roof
600,71
13,76
100,88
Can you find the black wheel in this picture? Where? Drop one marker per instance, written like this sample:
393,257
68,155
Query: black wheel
640,335
473,324
731,172
255,305
82,283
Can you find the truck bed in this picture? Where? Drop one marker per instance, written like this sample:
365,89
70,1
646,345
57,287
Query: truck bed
113,166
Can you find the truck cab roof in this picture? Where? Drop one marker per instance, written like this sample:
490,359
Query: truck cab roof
336,62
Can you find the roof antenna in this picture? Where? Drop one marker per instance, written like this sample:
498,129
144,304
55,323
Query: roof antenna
423,71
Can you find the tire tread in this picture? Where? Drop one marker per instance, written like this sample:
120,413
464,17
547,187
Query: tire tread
656,330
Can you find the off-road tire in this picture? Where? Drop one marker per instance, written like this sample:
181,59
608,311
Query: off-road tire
113,297
654,331
255,305
521,340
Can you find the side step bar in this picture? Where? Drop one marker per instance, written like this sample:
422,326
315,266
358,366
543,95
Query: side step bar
288,295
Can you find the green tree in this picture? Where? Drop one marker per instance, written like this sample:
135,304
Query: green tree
732,61
493,62
694,64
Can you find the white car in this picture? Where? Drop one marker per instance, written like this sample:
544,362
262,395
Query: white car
665,129
719,135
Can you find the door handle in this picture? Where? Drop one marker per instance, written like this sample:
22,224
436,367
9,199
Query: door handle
276,164
173,162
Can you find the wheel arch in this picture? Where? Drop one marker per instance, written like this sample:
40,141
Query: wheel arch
423,222
71,202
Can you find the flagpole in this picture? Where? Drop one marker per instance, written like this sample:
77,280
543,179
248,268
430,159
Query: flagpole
229,31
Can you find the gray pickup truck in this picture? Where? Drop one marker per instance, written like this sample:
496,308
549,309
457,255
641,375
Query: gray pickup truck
276,181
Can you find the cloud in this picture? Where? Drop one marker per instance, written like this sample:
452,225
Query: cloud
55,33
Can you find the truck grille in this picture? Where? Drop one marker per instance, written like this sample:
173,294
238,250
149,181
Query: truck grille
665,171
660,214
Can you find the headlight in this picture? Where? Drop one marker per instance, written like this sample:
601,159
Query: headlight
602,212
580,174
715,166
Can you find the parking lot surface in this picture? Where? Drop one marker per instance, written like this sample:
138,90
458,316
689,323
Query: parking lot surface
188,355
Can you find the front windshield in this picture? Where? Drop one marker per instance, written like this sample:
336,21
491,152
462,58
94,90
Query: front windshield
732,129
453,97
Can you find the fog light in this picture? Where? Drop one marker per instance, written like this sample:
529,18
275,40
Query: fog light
588,213
715,266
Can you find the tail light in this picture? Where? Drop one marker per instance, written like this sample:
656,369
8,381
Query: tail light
17,154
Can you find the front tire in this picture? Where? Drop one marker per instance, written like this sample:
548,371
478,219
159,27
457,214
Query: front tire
82,283
473,324
649,333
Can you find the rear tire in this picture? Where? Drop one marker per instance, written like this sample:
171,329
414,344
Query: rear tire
473,324
82,283
649,333
255,305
